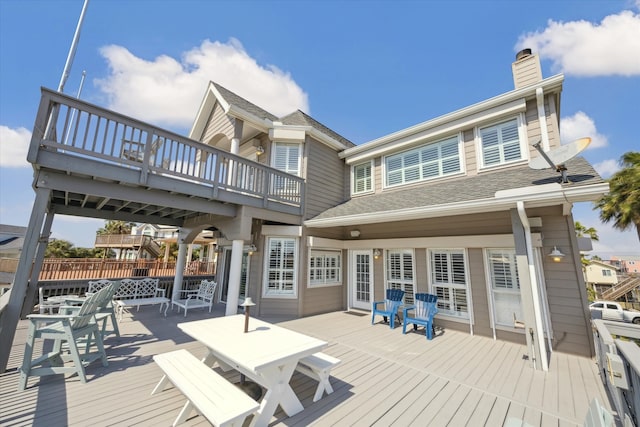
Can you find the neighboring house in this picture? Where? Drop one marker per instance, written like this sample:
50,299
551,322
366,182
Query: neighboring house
448,206
626,264
11,241
600,276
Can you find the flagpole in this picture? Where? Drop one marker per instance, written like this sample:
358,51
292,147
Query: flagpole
72,49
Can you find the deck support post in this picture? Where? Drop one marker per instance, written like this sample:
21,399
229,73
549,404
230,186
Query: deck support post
11,314
43,241
181,261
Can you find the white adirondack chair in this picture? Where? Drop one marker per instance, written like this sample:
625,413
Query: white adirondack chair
194,298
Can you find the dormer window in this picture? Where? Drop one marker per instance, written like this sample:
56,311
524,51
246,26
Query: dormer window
500,143
428,161
361,178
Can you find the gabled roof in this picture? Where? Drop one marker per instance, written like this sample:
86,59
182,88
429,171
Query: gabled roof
487,192
239,102
299,118
602,264
238,107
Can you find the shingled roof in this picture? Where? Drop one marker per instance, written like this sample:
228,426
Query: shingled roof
243,104
297,118
473,188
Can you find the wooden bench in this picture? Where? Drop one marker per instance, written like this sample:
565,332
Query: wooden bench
134,293
215,398
318,366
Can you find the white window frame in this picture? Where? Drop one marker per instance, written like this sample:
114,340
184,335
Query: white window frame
281,292
330,275
405,282
508,290
606,273
354,180
522,139
289,145
421,163
451,286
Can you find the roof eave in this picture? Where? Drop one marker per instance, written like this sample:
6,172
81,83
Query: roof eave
555,195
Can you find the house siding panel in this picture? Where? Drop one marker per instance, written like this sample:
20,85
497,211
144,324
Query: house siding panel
325,175
218,123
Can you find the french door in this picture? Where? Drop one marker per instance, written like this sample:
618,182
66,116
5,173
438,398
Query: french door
361,281
226,267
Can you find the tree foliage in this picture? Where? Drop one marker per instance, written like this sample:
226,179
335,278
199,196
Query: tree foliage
622,204
116,227
58,248
583,231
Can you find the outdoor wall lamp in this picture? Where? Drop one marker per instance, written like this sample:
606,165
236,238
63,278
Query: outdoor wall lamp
556,255
259,150
376,253
252,249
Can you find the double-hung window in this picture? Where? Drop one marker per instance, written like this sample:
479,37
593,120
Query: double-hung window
362,178
606,273
500,143
281,261
505,286
400,272
325,267
428,161
449,281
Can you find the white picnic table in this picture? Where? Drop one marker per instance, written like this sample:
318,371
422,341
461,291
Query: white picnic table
267,354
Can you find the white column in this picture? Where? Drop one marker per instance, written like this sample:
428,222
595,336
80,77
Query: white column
233,288
180,263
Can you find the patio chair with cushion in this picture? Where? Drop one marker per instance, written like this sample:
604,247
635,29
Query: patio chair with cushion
389,307
423,311
194,298
64,328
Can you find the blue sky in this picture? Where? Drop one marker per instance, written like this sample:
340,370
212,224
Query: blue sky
363,68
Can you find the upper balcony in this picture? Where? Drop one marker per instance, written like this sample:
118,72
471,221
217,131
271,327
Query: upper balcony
98,163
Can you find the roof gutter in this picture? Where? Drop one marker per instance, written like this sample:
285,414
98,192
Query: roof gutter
538,196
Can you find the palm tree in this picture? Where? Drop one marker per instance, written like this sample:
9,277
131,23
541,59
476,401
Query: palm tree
583,231
622,204
116,227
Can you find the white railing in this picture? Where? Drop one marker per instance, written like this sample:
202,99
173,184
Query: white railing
76,128
618,357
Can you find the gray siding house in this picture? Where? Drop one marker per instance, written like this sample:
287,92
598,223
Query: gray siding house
449,206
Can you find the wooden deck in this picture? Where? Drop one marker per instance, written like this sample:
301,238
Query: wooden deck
385,378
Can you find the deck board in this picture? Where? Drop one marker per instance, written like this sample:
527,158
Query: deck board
385,378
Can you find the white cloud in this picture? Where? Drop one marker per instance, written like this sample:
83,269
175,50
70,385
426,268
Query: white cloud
14,144
166,91
606,168
583,48
579,126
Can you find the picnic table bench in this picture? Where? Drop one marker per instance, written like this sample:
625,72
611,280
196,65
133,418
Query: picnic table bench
134,293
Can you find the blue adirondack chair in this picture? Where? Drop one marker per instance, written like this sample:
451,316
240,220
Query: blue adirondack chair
388,307
423,311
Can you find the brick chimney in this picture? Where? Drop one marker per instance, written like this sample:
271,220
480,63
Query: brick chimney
526,69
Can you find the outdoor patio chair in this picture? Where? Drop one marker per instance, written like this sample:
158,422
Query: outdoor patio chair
423,311
201,297
44,305
106,311
64,328
389,307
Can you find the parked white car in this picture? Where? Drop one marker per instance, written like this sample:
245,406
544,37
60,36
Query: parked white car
611,310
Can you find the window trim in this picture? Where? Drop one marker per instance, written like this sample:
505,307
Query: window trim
265,280
491,289
461,160
274,149
340,267
414,282
353,178
467,278
522,136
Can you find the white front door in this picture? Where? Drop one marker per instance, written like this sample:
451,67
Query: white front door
361,279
